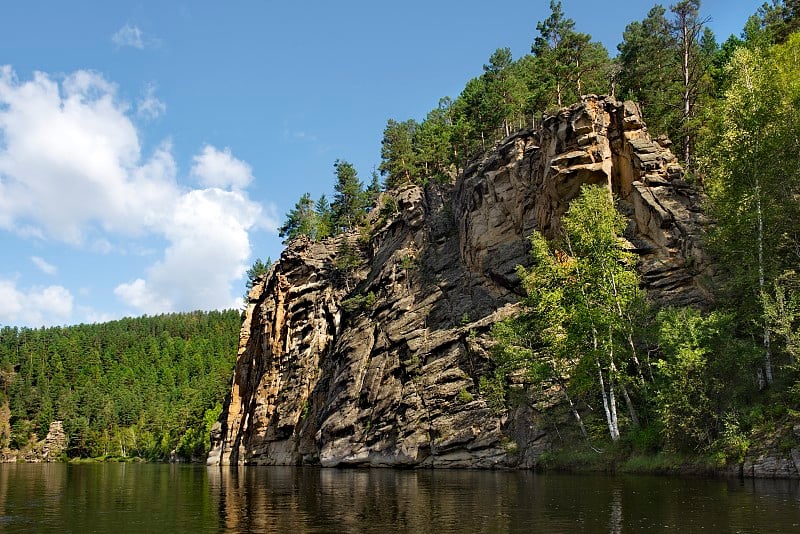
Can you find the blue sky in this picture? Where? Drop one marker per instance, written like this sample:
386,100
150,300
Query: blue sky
148,150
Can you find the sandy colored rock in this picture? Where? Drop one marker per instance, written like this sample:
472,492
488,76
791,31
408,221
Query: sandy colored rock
322,381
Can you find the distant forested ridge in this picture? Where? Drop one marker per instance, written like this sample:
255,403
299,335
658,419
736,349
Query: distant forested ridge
142,386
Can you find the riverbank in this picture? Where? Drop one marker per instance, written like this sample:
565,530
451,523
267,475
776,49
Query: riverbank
612,462
767,455
770,452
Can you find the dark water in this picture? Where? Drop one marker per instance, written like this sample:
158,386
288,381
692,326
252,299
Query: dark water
121,498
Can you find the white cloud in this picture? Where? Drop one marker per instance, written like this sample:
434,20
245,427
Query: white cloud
138,295
71,162
46,268
214,168
208,251
128,35
36,306
149,106
71,169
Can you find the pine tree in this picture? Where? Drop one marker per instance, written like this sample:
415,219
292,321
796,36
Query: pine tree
688,28
398,161
433,142
349,200
548,46
257,270
301,220
346,261
666,66
780,19
373,190
649,71
570,61
324,218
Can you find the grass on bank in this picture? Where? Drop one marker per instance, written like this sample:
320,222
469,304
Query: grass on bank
615,460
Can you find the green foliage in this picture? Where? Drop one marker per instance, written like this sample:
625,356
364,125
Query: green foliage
433,144
320,219
324,219
359,302
373,191
347,261
389,207
129,387
732,444
779,20
308,218
349,199
703,372
508,95
749,165
568,61
650,71
300,220
256,271
782,314
464,396
520,347
195,442
645,440
493,388
666,65
583,328
408,262
583,294
398,161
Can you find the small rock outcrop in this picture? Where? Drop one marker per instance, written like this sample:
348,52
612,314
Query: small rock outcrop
49,449
380,365
55,442
773,451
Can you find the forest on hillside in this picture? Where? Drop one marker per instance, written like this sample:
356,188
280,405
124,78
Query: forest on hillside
675,379
136,387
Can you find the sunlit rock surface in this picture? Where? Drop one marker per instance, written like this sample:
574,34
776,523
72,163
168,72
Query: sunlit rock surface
393,380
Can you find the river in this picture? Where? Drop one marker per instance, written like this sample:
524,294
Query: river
121,498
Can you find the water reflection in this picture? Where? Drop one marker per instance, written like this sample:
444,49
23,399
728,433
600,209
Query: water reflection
310,500
116,498
615,521
123,498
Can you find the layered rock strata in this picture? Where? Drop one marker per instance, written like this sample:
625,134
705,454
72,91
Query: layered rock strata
380,365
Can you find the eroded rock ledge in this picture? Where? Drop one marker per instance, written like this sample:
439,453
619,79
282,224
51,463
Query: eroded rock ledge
395,383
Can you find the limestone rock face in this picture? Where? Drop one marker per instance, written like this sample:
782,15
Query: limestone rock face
380,366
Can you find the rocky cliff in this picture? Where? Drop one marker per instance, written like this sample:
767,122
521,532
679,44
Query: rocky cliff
380,366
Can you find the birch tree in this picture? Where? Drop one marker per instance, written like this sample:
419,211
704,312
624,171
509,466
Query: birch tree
586,290
751,165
